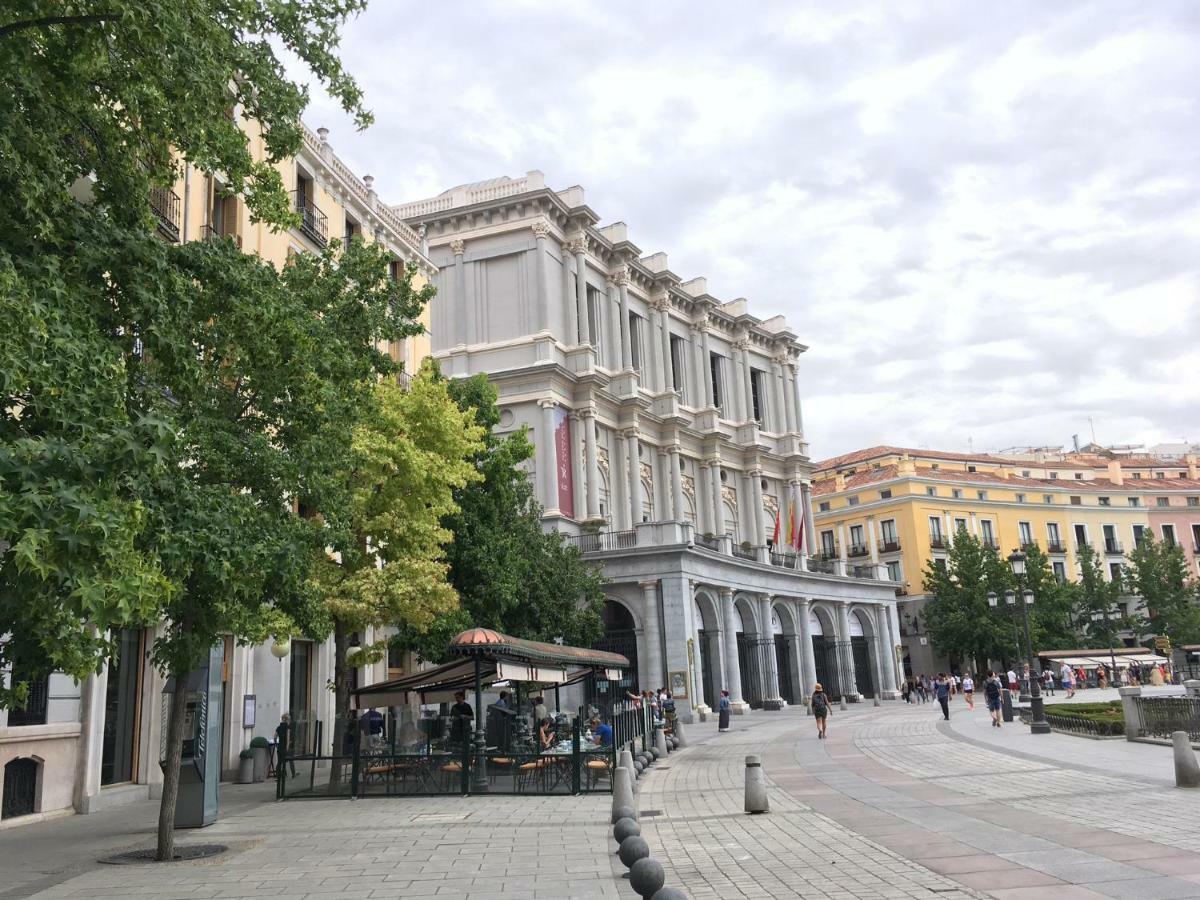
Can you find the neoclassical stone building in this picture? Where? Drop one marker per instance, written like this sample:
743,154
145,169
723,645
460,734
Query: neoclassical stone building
670,441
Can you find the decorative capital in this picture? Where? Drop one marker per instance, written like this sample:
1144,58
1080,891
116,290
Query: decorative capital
576,245
779,359
619,276
741,343
696,327
457,246
547,404
628,433
588,412
541,228
661,303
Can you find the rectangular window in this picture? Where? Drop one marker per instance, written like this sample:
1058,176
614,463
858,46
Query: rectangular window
930,492
716,367
1047,498
1080,535
1137,475
1160,474
970,468
595,307
828,545
1020,498
1077,501
852,500
956,493
1139,532
1168,533
1079,476
678,366
982,495
1114,572
885,494
887,529
1193,501
758,393
1053,539
1111,544
1196,538
1053,476
1106,501
987,536
824,506
636,325
1135,501
1026,533
1024,473
1162,501
893,570
935,528
856,538
1060,572
960,525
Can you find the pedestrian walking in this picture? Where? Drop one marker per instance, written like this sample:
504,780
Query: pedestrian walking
1012,681
942,689
968,690
723,708
923,688
991,694
820,709
1068,680
1048,681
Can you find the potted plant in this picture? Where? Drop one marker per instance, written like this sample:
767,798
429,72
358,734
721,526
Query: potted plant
260,747
245,772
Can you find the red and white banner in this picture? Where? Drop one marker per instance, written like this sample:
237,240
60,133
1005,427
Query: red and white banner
562,452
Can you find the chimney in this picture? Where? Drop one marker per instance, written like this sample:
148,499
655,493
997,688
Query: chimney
1193,464
839,482
906,466
1115,474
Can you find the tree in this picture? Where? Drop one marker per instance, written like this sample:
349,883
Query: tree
1052,616
154,429
1097,602
510,574
1158,573
961,623
409,456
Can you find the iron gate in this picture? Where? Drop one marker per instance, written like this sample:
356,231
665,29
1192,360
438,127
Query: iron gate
707,642
750,664
20,788
603,694
783,664
861,652
829,666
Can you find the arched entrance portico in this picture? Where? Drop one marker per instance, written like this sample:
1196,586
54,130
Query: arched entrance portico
620,636
862,651
708,648
786,638
824,649
752,643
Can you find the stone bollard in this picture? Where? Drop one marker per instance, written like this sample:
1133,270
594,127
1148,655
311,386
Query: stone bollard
646,877
625,828
875,700
1133,713
660,742
843,701
625,761
681,741
756,786
668,893
622,797
1187,769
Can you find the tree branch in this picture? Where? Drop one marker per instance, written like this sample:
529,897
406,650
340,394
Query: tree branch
47,21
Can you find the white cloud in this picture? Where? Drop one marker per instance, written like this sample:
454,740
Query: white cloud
982,218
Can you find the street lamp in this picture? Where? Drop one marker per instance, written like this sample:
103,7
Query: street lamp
1010,603
1039,725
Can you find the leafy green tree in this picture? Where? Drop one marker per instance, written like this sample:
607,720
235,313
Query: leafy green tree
1097,602
1052,617
1157,572
410,455
510,574
162,406
961,623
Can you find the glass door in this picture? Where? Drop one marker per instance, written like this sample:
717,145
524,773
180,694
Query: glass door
122,709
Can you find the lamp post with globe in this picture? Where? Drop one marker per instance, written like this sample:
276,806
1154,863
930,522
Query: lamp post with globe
1016,560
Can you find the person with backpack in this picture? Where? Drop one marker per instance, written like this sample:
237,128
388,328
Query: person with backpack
820,709
942,689
991,693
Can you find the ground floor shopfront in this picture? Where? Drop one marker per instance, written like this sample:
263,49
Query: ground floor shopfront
698,621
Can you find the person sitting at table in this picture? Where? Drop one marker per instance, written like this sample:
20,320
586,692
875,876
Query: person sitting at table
546,734
539,708
602,735
502,702
410,737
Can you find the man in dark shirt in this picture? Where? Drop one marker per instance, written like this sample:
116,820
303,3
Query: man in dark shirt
461,717
942,689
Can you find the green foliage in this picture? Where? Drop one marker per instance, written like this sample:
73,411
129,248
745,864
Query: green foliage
1108,717
510,575
1096,601
1158,573
259,742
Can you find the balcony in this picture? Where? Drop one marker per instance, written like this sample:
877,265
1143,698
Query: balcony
1029,544
821,566
889,545
600,541
989,543
745,552
1055,547
1113,546
314,224
858,550
165,204
708,543
785,561
937,542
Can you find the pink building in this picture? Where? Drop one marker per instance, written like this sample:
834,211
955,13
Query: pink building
1174,508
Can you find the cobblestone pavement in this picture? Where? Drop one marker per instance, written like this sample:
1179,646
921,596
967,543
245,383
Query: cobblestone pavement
474,847
892,805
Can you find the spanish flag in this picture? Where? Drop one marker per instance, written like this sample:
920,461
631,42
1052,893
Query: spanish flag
791,523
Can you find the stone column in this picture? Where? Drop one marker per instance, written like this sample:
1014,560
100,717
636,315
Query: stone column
652,676
872,546
568,299
845,656
733,674
843,567
664,509
771,698
662,308
618,500
661,360
545,459
887,650
794,395
700,397
635,475
541,319
593,464
787,420
714,477
677,507
621,279
578,483
91,739
579,247
458,247
698,661
704,494
810,526
706,373
757,522
743,347
679,625
808,662
620,334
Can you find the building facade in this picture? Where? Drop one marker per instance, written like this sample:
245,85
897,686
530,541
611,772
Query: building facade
95,745
669,444
902,508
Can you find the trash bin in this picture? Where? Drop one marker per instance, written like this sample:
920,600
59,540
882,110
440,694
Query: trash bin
1006,704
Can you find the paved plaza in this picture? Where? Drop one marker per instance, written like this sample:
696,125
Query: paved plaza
896,803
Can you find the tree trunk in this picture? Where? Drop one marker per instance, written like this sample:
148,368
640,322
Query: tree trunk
170,790
341,695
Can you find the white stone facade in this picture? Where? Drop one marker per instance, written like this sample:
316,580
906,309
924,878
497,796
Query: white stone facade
668,431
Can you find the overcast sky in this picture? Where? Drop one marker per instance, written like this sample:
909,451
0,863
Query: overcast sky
982,218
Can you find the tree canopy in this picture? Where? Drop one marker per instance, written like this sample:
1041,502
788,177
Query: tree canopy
1158,573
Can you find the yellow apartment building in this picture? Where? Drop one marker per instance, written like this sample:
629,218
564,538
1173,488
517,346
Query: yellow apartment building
895,509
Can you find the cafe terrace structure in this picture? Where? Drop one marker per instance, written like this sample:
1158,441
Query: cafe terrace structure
398,752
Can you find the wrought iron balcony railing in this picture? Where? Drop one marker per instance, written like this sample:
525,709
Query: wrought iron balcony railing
314,224
858,550
937,542
1055,547
1112,545
889,545
165,204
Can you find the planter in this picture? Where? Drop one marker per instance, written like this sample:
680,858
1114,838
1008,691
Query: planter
261,759
245,772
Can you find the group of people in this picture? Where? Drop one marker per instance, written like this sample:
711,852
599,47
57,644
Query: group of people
660,702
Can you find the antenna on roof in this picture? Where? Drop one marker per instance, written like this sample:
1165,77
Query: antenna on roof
1093,424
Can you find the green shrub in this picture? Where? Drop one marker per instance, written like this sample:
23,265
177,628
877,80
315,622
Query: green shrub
1108,718
260,742
246,754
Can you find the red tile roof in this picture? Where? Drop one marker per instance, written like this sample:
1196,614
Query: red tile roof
859,480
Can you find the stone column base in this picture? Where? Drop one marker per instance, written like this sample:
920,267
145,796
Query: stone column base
889,695
776,704
853,698
739,707
702,712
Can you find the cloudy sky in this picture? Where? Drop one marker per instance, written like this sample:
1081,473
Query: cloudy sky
983,218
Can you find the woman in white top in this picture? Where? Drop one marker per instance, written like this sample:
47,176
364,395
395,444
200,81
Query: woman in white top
968,689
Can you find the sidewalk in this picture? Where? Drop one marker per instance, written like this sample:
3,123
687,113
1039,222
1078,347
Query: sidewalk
422,847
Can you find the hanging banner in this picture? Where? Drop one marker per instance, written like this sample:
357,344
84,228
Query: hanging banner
562,452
